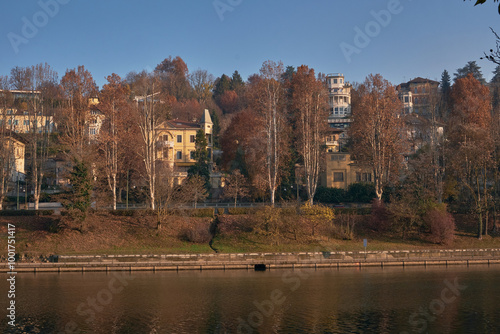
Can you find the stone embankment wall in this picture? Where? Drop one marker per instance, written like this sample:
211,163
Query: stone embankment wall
62,263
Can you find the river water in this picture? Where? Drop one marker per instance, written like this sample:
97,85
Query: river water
455,299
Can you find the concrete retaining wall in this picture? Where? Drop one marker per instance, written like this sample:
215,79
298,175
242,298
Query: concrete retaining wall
64,263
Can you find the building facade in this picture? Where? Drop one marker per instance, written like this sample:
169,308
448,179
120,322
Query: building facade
340,171
419,96
339,99
176,143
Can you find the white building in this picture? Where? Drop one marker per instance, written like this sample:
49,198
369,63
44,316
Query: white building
339,100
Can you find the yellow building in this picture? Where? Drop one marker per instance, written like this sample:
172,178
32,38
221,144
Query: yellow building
340,171
21,122
176,143
15,148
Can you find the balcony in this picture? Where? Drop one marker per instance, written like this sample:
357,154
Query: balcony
164,143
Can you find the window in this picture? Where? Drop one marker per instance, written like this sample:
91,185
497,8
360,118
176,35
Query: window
26,122
92,131
338,176
338,157
416,90
406,99
358,177
367,177
192,139
335,81
179,155
191,155
340,80
16,122
179,138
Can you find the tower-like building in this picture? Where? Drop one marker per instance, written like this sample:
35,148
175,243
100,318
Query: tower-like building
339,100
339,118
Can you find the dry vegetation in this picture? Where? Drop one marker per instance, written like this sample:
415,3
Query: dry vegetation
270,230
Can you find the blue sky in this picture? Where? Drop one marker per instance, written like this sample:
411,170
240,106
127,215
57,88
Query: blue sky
420,38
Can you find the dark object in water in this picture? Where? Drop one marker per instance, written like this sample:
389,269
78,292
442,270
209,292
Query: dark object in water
260,267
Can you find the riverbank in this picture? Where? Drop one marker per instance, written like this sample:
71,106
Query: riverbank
260,261
40,238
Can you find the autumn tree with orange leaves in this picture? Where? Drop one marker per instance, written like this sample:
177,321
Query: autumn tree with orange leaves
117,130
376,130
471,145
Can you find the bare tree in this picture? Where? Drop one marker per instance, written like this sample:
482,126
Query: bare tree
202,83
195,190
78,87
309,100
39,78
149,117
236,186
269,102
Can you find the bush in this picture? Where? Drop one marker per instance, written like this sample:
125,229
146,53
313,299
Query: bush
203,212
241,211
220,211
196,232
442,225
361,192
330,195
233,225
379,219
122,213
17,213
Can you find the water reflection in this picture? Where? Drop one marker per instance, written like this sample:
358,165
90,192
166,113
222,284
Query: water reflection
371,300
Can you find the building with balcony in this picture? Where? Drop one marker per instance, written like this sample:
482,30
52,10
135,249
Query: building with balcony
339,100
419,96
176,143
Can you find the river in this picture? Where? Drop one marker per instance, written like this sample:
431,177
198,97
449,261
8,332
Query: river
454,299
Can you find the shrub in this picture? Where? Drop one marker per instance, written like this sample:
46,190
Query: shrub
18,213
330,195
442,225
317,216
361,192
196,232
233,225
241,211
122,213
203,212
220,211
379,218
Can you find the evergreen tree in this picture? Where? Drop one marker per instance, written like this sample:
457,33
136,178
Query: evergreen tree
288,74
215,129
222,85
445,82
495,88
470,67
201,155
237,82
81,189
496,76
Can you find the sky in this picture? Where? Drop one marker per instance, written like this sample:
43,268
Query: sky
400,39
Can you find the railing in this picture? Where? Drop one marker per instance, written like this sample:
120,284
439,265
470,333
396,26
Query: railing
165,143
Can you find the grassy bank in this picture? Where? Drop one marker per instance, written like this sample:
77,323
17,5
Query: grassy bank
109,234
